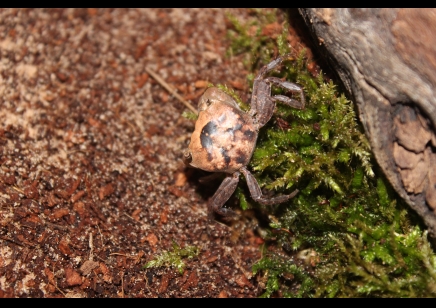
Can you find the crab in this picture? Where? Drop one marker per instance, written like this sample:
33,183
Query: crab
225,137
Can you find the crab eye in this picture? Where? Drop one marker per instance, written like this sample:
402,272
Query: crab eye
187,157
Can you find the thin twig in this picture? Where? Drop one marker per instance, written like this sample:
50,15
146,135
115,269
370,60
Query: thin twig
104,261
55,226
56,285
55,282
91,247
12,241
18,189
170,89
125,214
101,235
122,254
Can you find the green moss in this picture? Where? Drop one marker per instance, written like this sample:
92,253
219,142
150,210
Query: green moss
174,258
363,239
278,268
244,106
190,115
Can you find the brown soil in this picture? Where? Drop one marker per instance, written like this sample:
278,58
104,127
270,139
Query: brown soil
92,184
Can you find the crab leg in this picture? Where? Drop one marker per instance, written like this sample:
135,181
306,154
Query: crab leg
209,178
223,194
290,86
261,104
270,66
256,193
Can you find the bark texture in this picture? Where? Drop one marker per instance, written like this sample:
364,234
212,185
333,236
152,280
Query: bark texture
386,59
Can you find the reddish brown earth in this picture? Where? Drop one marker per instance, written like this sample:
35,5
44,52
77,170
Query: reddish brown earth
92,183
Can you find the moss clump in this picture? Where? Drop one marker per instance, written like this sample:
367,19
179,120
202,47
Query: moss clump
174,258
190,115
363,239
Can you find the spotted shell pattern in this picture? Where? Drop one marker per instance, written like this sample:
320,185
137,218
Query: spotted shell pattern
224,138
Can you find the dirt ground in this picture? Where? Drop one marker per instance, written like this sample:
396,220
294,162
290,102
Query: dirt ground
92,183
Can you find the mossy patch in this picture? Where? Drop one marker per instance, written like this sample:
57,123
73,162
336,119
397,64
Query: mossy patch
174,258
363,239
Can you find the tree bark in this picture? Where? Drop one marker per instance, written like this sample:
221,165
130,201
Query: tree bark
386,59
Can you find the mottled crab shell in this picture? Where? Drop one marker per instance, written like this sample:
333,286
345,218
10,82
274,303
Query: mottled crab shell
224,138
